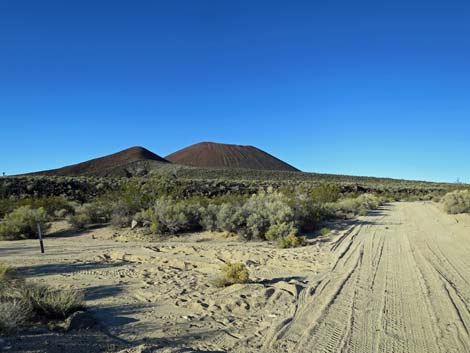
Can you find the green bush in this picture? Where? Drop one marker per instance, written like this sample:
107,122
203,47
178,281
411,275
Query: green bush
79,220
121,214
231,217
457,202
171,216
22,223
92,213
280,230
232,273
308,214
325,231
325,193
291,241
260,212
357,206
208,217
51,204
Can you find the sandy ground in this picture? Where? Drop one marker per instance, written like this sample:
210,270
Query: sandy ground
397,280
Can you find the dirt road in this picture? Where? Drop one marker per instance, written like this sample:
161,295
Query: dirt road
400,282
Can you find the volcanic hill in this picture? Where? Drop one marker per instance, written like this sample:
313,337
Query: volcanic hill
219,155
113,164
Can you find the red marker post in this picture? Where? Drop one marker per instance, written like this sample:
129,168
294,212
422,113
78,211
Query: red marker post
40,239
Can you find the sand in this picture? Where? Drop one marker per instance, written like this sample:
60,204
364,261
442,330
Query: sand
394,281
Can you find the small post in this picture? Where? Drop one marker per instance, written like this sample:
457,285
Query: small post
40,238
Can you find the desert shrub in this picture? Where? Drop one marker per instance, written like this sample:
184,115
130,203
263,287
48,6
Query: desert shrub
172,216
51,204
208,217
14,314
260,212
357,206
92,213
250,219
325,193
22,301
79,220
457,202
121,214
308,214
11,284
22,223
291,241
325,231
14,309
6,206
280,230
231,217
232,273
53,303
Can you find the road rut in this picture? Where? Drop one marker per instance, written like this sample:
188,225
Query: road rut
400,282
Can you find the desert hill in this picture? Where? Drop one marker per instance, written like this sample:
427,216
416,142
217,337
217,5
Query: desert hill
218,155
117,163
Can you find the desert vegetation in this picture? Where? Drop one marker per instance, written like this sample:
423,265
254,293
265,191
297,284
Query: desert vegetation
22,223
232,273
457,201
237,202
23,302
266,215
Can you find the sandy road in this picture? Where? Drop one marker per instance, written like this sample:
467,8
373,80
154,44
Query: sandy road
400,283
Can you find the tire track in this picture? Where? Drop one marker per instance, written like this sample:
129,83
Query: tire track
397,284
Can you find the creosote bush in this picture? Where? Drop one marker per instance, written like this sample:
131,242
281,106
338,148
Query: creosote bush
22,223
325,231
232,273
457,202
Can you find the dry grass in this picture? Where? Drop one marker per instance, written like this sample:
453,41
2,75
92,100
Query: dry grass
22,301
53,303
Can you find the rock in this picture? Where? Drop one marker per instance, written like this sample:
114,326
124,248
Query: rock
55,326
134,224
80,320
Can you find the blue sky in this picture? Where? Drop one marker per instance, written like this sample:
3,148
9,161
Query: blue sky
363,88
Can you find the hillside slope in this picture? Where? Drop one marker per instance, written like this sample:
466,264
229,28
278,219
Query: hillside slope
218,155
114,162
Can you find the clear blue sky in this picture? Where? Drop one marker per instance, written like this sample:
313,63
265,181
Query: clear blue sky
351,87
